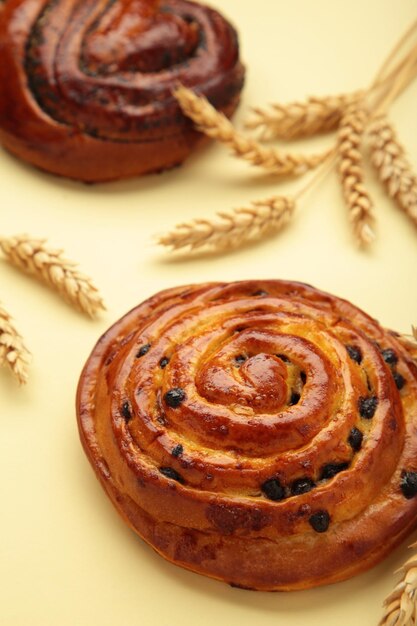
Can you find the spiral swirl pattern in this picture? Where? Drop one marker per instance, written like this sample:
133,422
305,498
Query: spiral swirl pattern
90,82
262,433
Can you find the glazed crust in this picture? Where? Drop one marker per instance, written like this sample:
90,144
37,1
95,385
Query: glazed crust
263,433
89,83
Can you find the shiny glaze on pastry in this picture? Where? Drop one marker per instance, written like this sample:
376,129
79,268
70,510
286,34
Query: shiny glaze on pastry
89,82
263,433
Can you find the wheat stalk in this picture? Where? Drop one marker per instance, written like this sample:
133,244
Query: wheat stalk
409,341
33,257
352,126
232,228
349,112
216,125
300,119
12,349
394,170
400,608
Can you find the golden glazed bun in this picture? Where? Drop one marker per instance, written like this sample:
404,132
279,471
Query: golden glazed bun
263,433
87,85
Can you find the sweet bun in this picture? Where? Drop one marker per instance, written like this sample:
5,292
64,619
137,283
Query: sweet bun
89,84
262,433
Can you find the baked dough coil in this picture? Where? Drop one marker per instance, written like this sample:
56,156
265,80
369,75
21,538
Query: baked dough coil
263,433
90,82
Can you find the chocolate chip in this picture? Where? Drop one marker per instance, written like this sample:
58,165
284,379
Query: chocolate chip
163,362
283,358
174,397
355,439
408,484
355,353
399,380
177,451
294,398
302,485
240,358
126,412
273,489
389,356
143,350
367,407
171,473
320,521
331,469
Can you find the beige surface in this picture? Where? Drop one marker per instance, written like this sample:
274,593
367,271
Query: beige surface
66,559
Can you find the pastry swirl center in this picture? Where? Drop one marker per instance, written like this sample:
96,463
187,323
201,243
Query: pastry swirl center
259,382
136,36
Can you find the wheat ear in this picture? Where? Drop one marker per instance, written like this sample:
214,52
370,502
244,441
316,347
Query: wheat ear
394,170
351,130
300,119
216,125
12,349
33,257
409,341
400,608
232,228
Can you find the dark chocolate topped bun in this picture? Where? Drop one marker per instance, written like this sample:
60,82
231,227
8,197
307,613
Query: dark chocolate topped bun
90,82
263,433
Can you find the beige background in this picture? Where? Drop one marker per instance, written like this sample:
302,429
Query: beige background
66,559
